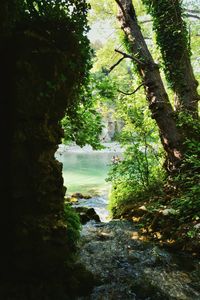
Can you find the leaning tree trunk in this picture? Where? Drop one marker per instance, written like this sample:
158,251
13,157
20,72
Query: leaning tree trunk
157,97
172,38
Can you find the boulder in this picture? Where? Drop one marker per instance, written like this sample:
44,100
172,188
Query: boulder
80,196
86,214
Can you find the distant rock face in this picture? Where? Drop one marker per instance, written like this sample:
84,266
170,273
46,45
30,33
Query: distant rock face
111,127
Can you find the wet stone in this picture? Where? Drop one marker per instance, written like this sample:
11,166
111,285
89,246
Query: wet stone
129,268
86,214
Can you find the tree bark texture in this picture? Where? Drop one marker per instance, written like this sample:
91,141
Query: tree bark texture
157,97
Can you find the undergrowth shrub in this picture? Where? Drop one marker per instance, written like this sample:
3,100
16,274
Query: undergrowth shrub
137,177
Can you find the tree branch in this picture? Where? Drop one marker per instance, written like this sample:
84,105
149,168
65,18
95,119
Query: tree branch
192,16
193,11
130,56
125,55
117,63
129,94
145,21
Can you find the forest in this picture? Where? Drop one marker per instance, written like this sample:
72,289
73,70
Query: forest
69,70
154,87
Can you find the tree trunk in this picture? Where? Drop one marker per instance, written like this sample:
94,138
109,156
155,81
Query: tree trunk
186,96
157,97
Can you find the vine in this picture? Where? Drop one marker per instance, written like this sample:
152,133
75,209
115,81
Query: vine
172,38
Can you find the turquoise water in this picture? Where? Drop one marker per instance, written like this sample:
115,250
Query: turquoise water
85,172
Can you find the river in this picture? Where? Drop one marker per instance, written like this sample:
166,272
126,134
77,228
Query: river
85,171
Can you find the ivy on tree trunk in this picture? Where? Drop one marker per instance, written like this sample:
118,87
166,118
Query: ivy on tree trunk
173,40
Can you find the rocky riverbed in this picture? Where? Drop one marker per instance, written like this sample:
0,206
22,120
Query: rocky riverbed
129,268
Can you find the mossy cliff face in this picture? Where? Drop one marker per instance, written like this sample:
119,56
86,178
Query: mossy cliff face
36,180
40,80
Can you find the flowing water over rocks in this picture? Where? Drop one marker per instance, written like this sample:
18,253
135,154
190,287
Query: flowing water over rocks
128,268
99,203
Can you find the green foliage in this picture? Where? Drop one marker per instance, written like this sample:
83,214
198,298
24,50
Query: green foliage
141,164
134,178
142,155
103,87
187,200
125,195
83,128
139,176
191,160
60,26
187,205
84,125
191,126
101,10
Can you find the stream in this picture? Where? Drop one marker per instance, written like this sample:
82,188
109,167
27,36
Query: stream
126,266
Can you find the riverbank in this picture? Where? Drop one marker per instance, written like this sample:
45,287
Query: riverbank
159,222
108,148
128,265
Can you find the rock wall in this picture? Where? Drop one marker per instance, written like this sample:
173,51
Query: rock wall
37,184
112,127
37,245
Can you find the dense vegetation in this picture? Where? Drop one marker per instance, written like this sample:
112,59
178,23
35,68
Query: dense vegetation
160,169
